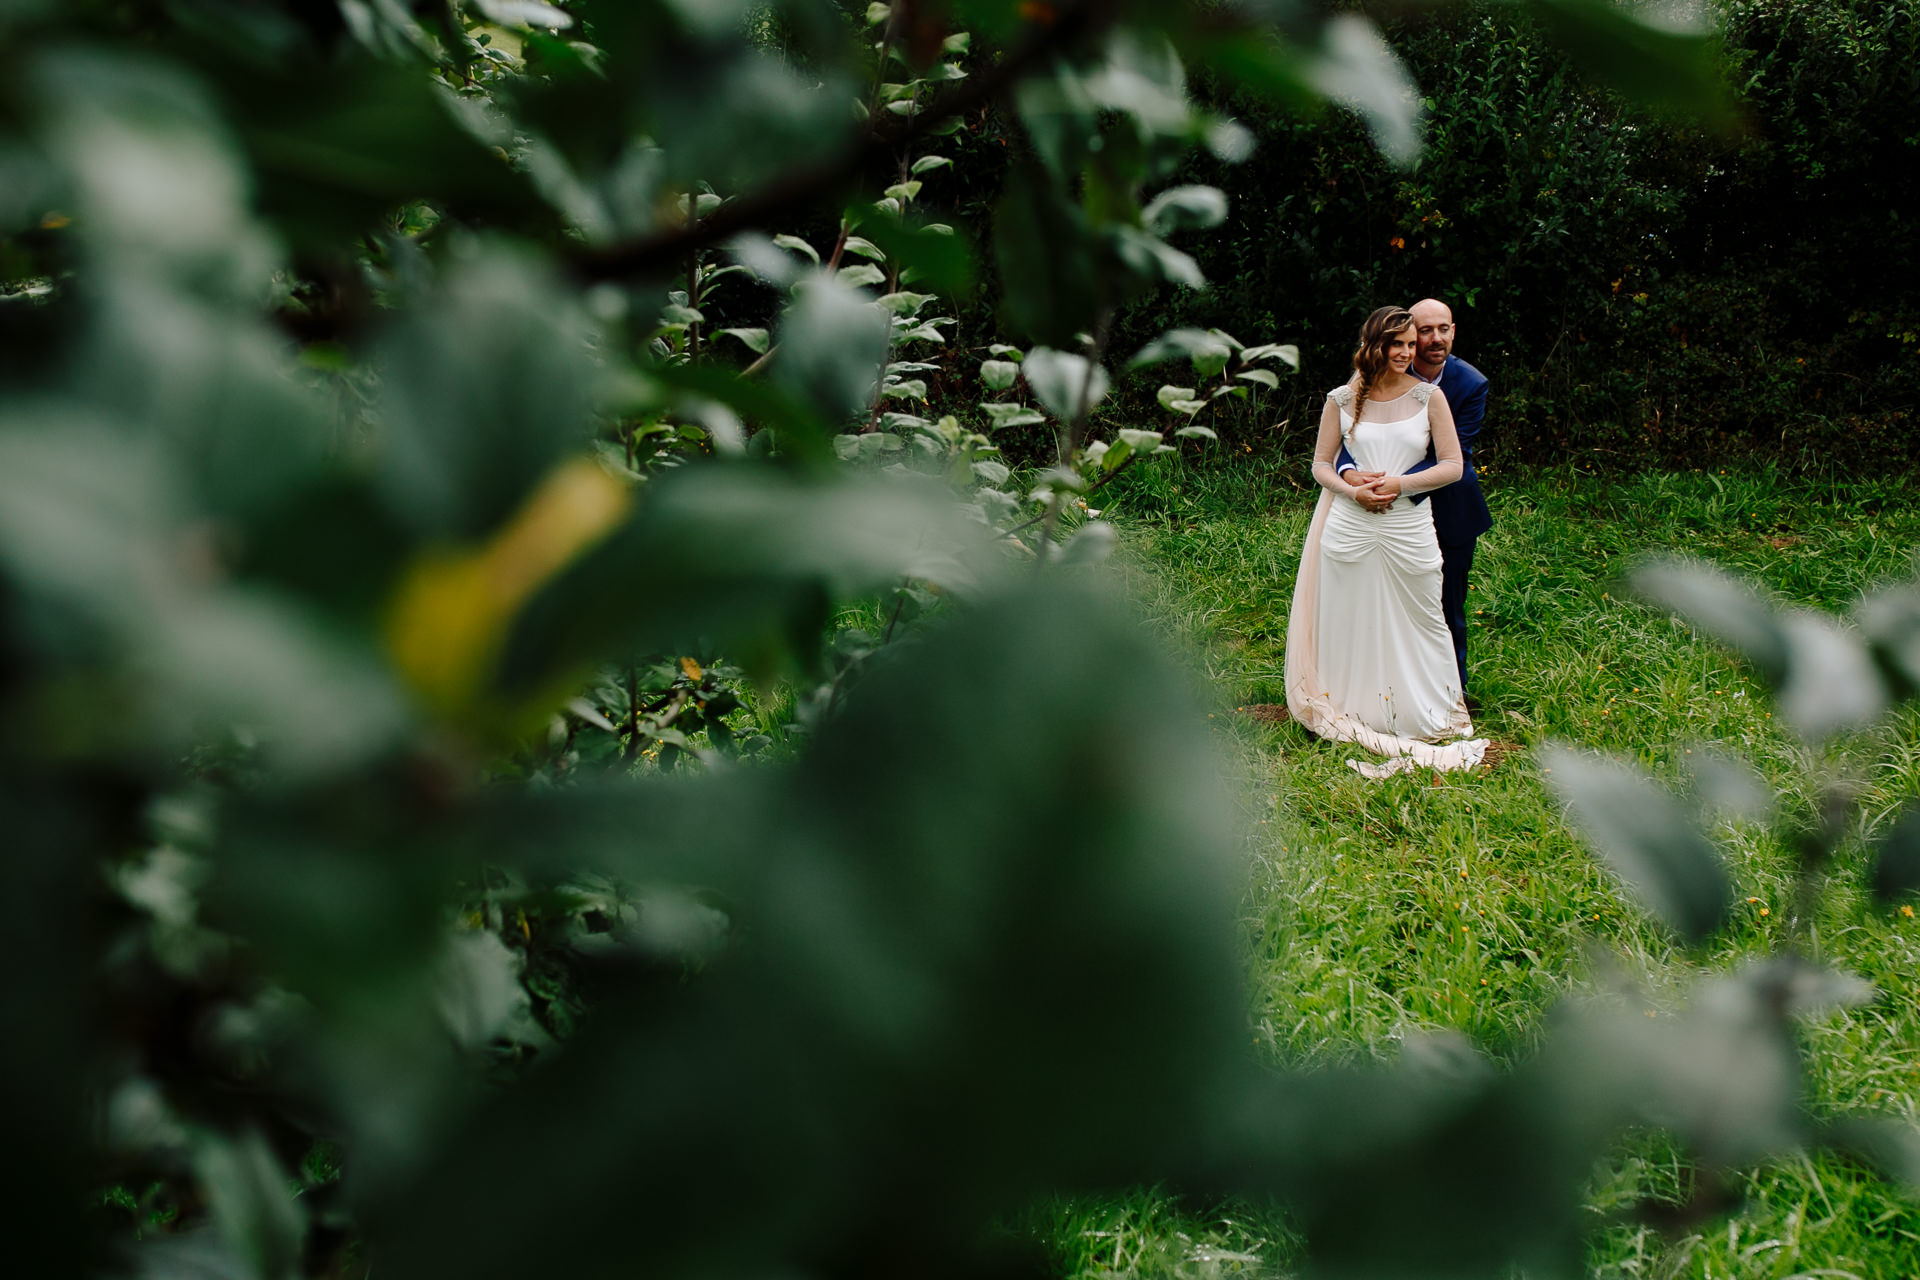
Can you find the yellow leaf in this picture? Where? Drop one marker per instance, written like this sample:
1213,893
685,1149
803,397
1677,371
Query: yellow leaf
692,669
451,610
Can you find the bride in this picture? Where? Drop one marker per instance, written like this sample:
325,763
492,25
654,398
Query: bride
1369,658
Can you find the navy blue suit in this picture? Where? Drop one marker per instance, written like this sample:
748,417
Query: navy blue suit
1460,512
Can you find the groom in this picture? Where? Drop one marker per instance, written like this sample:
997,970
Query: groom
1460,513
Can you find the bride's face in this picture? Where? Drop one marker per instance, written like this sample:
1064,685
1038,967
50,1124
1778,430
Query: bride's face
1400,347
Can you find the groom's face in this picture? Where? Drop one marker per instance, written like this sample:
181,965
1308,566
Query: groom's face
1433,328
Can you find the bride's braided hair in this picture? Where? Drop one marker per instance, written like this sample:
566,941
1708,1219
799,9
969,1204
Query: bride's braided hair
1370,357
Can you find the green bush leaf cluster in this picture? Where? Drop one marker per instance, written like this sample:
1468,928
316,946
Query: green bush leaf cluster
1642,290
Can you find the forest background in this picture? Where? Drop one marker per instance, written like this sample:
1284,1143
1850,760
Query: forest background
1642,293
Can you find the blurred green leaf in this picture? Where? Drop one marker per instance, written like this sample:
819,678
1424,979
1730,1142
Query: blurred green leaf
319,702
1666,57
695,391
1152,260
1285,352
1356,68
478,993
336,920
1725,783
1890,620
832,342
361,139
1091,544
530,13
1714,601
1059,116
1047,268
219,389
1823,676
929,254
251,1201
79,499
920,985
1436,1166
1722,1074
1141,75
1646,837
739,557
1190,208
1208,350
1831,680
1889,1144
1068,385
484,386
1896,856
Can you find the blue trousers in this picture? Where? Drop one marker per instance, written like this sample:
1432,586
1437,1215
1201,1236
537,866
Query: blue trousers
1456,562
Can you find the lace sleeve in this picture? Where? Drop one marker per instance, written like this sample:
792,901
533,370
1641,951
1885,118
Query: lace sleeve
1342,398
1446,466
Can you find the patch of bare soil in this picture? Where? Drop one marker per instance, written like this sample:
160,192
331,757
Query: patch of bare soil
1497,752
1267,712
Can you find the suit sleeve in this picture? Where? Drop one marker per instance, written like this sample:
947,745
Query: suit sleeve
1425,464
1467,416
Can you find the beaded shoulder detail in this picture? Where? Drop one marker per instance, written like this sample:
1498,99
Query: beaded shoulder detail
1342,397
1422,392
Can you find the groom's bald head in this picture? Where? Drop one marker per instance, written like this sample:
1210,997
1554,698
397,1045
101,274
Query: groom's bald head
1433,335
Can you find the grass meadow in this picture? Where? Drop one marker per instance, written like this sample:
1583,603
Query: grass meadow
1464,904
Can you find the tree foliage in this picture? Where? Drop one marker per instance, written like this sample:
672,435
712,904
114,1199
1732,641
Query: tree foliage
1642,291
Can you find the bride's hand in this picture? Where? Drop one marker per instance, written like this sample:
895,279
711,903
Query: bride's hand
1373,496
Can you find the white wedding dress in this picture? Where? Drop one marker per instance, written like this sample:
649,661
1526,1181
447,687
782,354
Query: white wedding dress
1369,658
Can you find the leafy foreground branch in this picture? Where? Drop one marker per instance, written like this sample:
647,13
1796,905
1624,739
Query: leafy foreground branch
922,1012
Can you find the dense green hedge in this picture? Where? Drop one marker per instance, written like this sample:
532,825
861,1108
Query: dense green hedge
1639,293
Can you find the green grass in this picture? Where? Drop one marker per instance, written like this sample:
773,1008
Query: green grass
1463,903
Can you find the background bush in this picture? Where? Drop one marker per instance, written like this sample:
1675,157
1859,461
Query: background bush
1641,294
